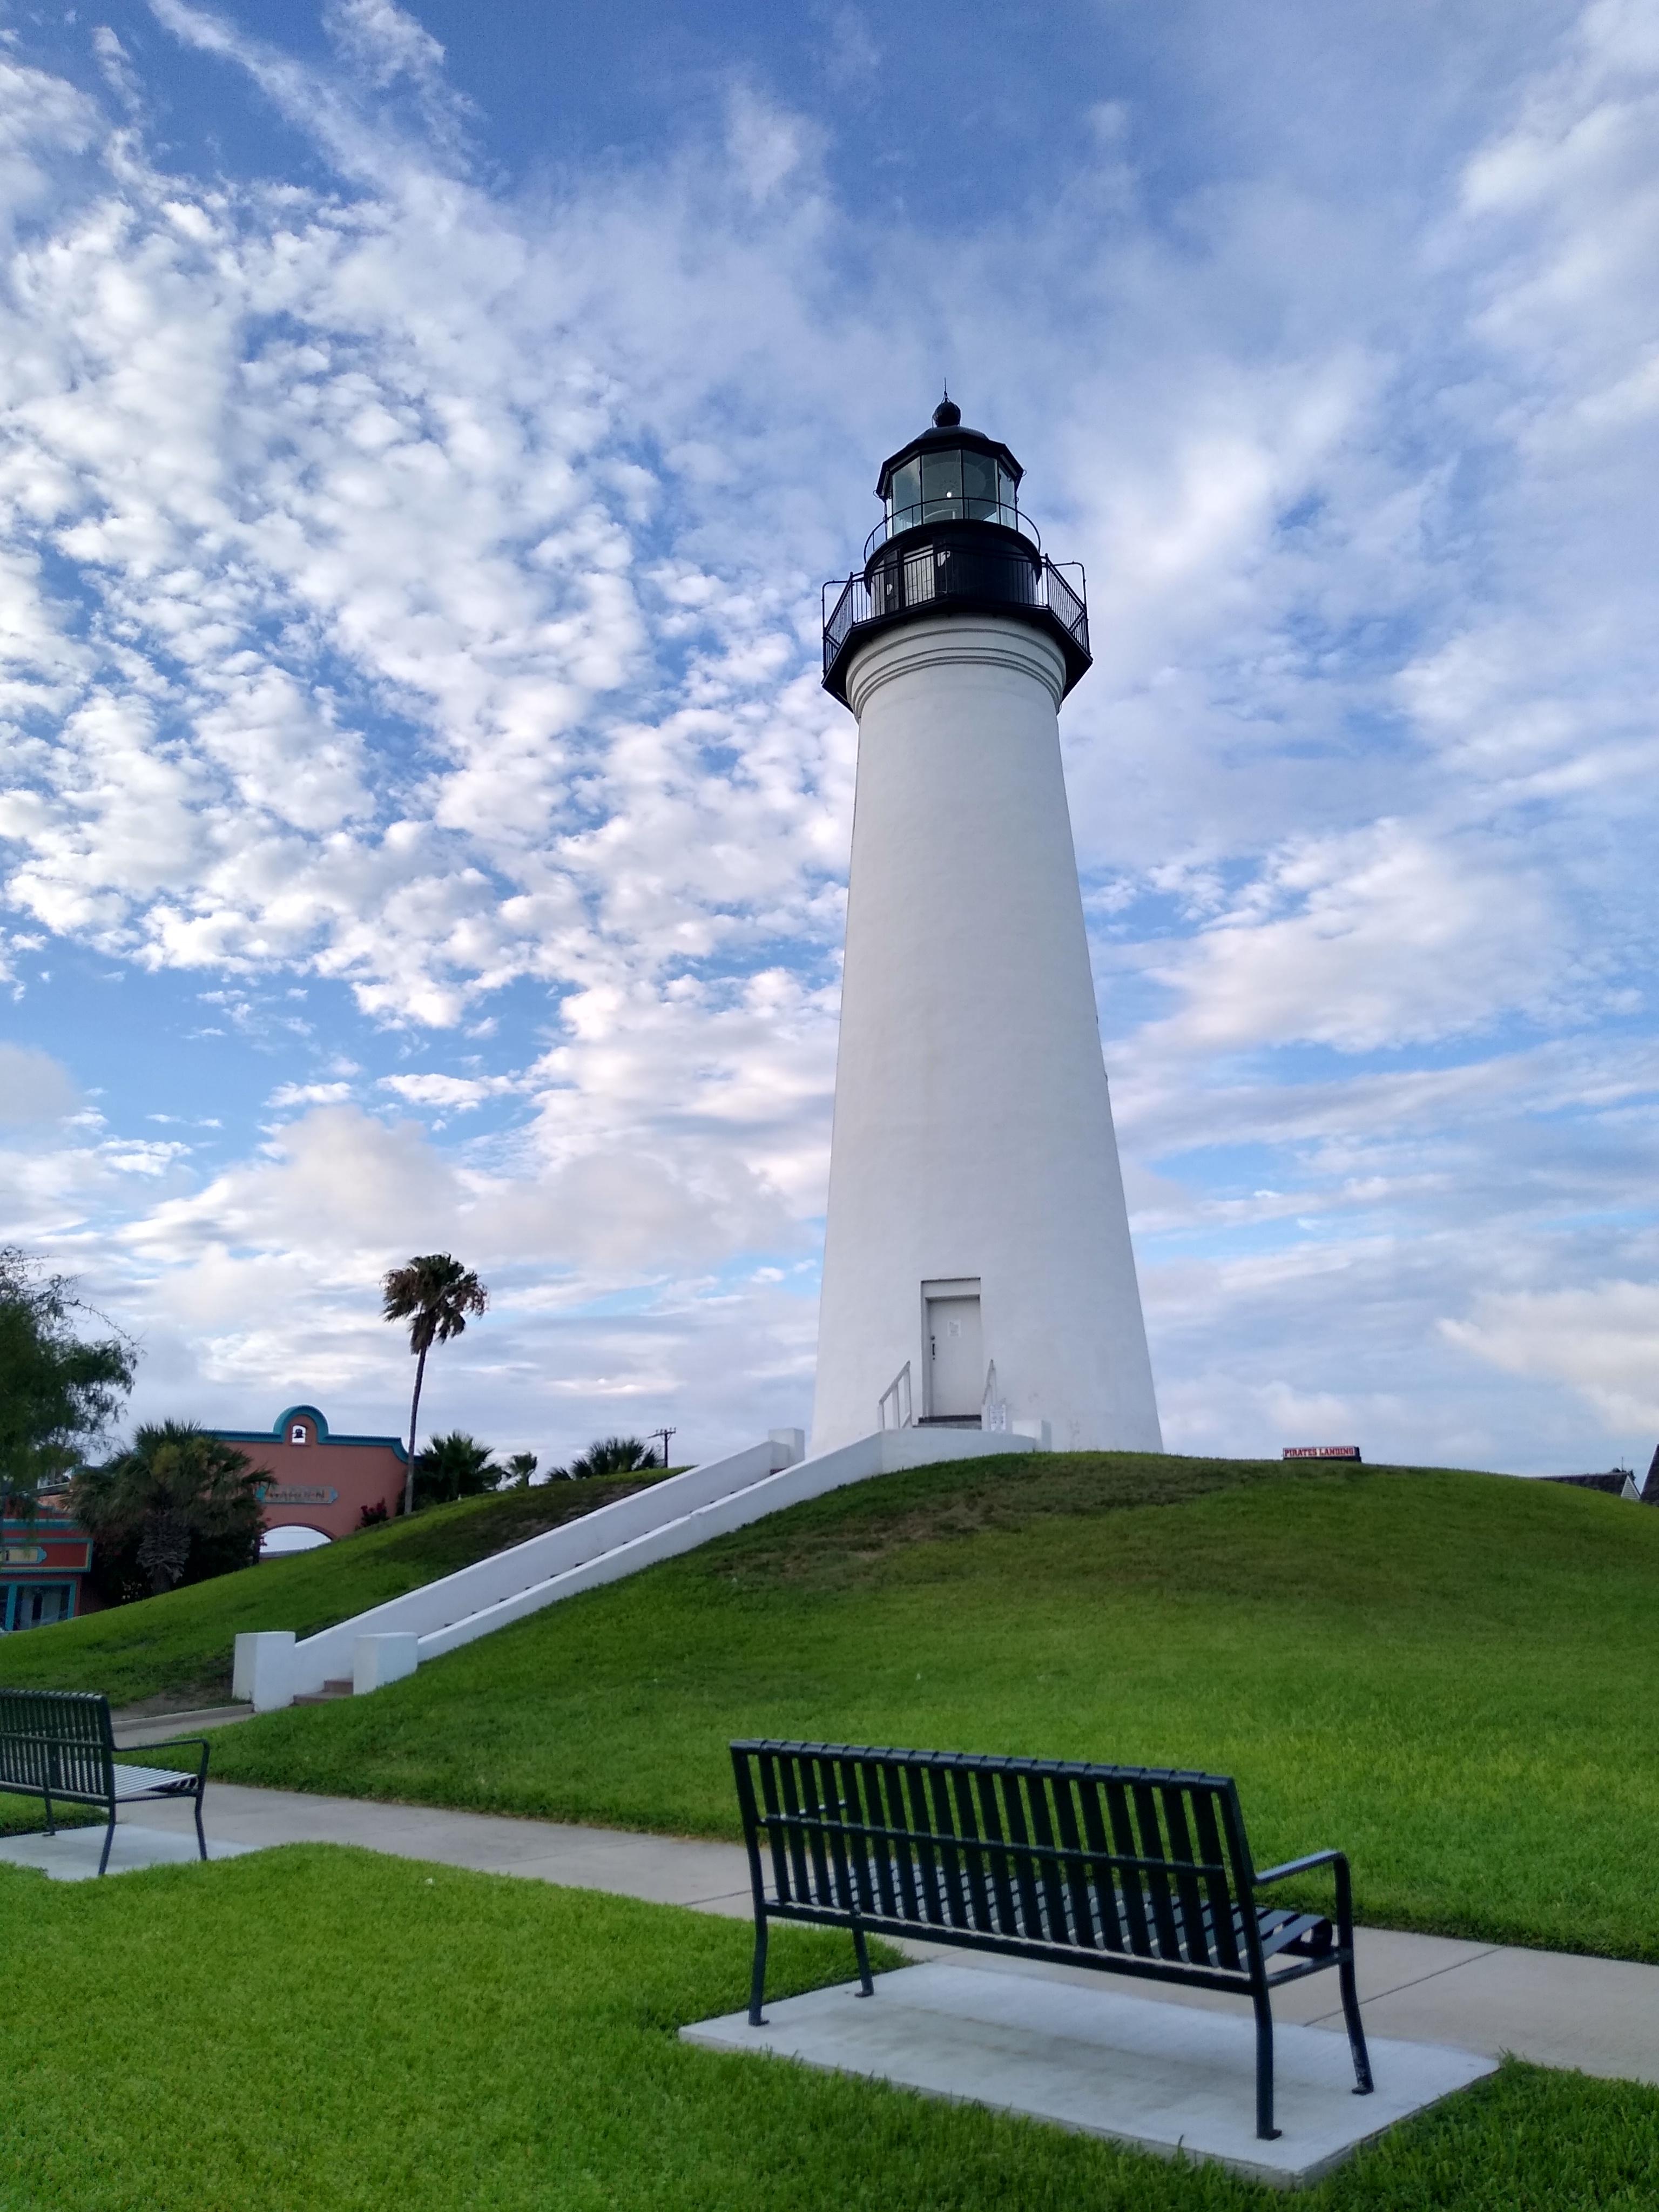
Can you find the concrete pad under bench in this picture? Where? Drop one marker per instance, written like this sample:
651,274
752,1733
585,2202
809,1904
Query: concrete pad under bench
72,1854
1163,2078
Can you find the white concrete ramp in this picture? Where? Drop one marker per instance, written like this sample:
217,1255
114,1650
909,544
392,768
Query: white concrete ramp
677,1514
1160,2077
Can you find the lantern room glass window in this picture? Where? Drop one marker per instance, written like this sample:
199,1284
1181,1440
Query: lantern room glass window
941,487
949,485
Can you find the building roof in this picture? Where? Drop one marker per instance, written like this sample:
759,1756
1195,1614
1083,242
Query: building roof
276,1433
1617,1482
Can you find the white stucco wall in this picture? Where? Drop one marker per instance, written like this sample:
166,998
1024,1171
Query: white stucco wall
973,1127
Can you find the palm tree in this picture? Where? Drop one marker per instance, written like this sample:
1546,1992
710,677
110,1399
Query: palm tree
610,1455
434,1294
455,1466
176,1505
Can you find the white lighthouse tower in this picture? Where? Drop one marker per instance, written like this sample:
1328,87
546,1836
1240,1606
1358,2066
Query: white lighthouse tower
977,1268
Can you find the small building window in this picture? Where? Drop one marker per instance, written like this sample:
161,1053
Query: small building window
299,1434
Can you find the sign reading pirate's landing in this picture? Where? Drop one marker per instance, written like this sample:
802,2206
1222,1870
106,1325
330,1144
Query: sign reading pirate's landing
298,1493
1321,1451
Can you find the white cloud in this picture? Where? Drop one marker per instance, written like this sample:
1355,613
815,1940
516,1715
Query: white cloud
1601,1339
311,1094
462,1092
409,585
33,1087
1383,937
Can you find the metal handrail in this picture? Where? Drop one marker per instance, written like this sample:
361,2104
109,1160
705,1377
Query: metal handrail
946,510
929,573
992,1410
898,1390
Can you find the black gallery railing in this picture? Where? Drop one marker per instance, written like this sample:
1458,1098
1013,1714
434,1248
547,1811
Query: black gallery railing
951,508
931,574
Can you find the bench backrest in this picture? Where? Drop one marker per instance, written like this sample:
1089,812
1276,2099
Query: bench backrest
1145,1863
56,1739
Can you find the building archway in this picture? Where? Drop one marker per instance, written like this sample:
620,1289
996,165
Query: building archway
292,1536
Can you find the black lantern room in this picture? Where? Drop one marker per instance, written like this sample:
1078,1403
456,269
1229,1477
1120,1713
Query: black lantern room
952,540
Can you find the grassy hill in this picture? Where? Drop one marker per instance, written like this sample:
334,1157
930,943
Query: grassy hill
175,1651
1453,1675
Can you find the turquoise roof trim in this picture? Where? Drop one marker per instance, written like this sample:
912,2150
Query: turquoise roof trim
274,1432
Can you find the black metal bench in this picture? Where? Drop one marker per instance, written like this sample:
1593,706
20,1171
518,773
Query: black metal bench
1134,1870
59,1744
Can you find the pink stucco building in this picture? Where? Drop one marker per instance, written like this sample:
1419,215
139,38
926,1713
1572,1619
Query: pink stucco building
319,1480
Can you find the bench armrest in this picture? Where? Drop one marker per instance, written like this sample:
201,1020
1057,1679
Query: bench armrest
1338,1862
1300,1866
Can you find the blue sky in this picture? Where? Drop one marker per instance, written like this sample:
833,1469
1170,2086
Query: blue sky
426,432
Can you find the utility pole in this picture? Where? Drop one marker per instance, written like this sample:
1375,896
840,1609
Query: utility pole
665,1434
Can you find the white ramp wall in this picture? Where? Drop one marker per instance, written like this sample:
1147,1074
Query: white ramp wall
672,1516
884,1453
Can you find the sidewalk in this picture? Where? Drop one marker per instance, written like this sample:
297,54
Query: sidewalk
1601,2015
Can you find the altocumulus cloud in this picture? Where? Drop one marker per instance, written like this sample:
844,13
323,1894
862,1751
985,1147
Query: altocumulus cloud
410,602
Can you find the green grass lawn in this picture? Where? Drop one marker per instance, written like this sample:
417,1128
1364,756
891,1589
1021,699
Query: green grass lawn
327,2029
1453,1676
177,1651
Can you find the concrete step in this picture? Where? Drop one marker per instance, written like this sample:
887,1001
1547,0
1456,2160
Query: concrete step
326,1695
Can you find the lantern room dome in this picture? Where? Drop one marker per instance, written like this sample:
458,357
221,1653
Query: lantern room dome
949,474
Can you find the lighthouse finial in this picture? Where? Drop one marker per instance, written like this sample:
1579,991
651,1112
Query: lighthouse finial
947,414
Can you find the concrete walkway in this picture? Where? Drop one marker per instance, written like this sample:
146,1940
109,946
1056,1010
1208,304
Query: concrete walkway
137,1731
1601,2015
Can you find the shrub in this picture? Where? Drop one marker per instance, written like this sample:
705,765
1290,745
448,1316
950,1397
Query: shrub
610,1455
452,1467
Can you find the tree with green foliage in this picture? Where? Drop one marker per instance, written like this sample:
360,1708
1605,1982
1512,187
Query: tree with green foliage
59,1389
455,1466
519,1469
176,1506
435,1294
610,1455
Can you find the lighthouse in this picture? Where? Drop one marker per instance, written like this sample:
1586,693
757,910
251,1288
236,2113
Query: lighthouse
977,1267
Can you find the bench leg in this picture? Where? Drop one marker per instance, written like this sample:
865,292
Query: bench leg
51,1826
109,1837
757,1978
1264,2067
201,1839
867,1985
1362,2060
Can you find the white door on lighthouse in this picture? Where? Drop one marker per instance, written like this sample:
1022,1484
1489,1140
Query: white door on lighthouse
956,1358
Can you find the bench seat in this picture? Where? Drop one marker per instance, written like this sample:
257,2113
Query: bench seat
946,1904
146,1782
